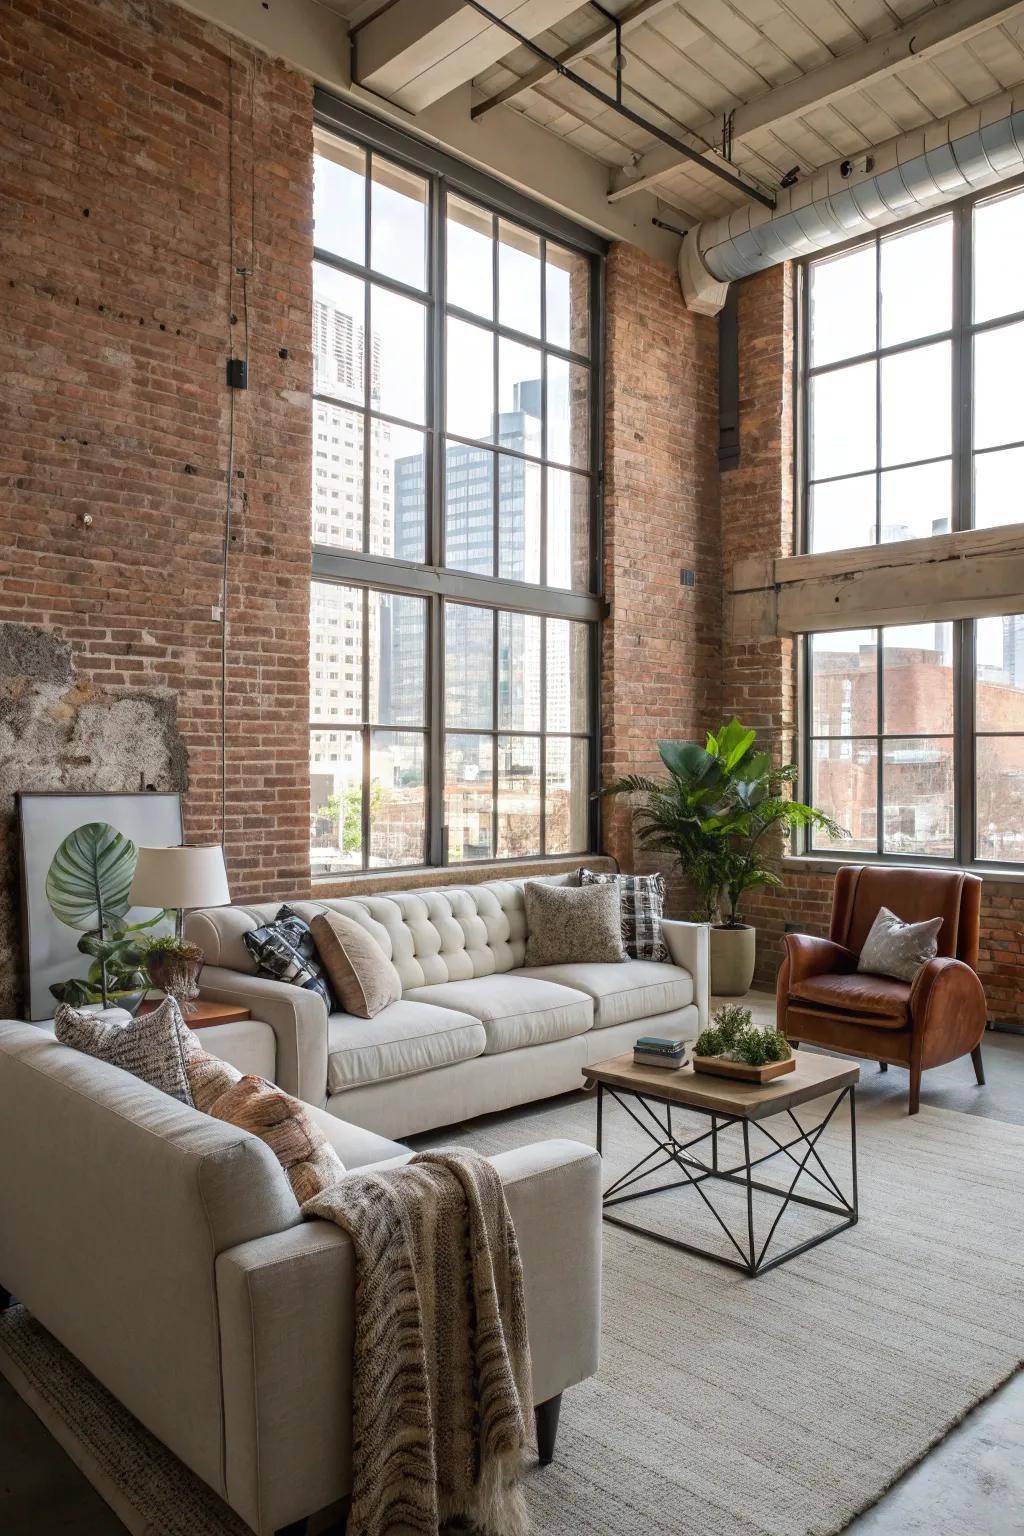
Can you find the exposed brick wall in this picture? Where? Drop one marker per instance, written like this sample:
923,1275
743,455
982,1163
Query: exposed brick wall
661,641
125,212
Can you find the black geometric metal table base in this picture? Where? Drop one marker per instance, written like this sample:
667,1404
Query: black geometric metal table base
655,1120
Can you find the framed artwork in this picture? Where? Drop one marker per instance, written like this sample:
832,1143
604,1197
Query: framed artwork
78,856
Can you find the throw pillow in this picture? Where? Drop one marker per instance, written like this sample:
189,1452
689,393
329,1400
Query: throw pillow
362,977
152,1046
642,898
285,950
898,949
570,923
301,1148
208,1076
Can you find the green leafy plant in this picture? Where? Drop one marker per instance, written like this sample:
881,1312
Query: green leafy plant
167,944
732,1033
87,886
715,814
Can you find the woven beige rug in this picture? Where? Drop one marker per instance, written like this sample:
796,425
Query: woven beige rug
724,1406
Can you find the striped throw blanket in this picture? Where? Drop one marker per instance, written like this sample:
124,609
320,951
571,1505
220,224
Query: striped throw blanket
442,1399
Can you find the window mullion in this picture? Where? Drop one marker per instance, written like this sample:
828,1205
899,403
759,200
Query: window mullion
965,742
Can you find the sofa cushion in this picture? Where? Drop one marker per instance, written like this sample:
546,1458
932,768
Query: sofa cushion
642,904
858,993
153,1046
357,1148
634,989
403,1039
514,1009
285,950
298,1143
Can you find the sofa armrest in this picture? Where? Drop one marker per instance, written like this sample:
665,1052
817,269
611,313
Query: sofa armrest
947,1009
286,1321
553,1189
298,1019
689,945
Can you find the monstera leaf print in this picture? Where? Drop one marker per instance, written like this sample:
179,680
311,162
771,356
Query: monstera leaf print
89,879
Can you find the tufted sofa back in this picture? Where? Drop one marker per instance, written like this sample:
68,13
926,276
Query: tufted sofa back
450,933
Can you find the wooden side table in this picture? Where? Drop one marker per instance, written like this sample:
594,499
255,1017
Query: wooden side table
205,1013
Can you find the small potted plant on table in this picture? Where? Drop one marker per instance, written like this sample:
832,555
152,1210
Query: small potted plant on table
733,1047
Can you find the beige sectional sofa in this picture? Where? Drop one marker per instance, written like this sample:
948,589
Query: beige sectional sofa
475,1030
165,1250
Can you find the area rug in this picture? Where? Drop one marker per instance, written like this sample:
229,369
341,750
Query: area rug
724,1406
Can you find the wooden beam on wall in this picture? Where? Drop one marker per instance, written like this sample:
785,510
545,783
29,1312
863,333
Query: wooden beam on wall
973,574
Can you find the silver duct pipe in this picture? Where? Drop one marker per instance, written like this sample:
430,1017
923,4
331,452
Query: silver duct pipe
977,147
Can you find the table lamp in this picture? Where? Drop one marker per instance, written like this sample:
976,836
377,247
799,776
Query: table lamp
180,879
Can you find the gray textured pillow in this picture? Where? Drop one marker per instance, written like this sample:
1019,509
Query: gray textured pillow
566,924
154,1046
898,949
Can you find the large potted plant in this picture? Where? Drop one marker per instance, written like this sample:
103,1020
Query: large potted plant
716,814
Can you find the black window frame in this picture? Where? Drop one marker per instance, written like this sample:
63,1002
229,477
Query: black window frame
432,580
961,334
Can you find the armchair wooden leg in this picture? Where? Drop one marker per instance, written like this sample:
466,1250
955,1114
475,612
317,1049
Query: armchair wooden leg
915,1090
883,1066
979,1065
546,1415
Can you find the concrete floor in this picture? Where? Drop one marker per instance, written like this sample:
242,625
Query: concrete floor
972,1484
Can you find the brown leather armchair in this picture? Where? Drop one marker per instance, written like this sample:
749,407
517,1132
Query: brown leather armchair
824,1000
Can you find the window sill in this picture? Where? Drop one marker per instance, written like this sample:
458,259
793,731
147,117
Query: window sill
372,881
826,863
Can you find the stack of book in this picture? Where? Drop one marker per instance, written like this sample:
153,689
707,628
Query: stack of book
655,1051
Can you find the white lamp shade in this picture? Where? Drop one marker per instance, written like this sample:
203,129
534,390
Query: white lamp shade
180,877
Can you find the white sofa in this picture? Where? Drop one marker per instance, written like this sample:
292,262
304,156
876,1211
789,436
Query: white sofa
166,1251
475,1031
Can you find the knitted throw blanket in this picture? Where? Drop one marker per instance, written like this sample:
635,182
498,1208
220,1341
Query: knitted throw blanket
442,1398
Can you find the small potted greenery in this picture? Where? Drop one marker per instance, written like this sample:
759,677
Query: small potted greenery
732,1046
174,965
720,813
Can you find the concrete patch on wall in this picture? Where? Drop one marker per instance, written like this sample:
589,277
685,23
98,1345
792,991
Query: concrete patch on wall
58,732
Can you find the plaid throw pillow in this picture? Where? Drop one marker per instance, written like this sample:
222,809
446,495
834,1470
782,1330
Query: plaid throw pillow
642,899
285,950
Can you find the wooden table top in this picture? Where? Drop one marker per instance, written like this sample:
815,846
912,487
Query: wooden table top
812,1077
205,1012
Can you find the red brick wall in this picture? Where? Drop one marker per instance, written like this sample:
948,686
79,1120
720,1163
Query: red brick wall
661,641
144,156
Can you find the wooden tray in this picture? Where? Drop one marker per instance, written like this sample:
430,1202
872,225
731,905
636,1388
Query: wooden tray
717,1066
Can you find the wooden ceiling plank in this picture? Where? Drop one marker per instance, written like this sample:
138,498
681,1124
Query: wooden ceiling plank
937,32
633,16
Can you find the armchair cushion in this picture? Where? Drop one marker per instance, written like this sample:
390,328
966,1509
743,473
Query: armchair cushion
879,996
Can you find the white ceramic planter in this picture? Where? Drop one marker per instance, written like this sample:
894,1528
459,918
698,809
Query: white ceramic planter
733,952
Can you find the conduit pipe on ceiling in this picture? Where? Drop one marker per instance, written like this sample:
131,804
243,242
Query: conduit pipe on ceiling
975,148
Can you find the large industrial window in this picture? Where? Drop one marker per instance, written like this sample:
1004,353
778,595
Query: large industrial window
456,440
913,425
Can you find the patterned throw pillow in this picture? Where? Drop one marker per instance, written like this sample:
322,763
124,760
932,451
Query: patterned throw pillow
642,898
285,950
153,1046
898,949
301,1147
566,924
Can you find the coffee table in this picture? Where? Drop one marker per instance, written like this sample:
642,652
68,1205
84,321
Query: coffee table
650,1094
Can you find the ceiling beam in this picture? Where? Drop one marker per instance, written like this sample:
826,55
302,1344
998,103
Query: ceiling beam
632,17
413,52
956,21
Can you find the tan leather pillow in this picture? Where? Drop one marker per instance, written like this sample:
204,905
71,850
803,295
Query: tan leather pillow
362,976
301,1147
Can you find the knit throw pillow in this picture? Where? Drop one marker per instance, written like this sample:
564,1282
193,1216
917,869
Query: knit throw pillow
566,924
642,899
362,977
898,949
285,950
301,1147
152,1046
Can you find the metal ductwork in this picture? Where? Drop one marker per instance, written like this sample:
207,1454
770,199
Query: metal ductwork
975,148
